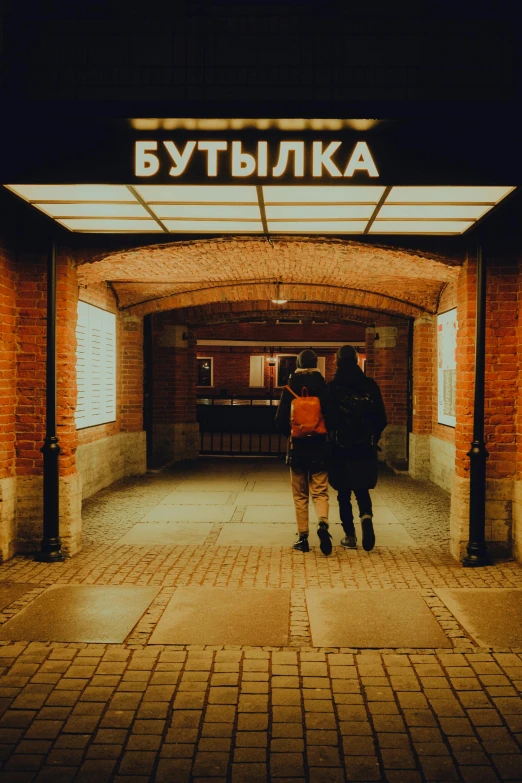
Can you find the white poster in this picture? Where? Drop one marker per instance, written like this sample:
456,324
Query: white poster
446,366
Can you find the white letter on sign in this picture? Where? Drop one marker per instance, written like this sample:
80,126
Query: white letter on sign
146,164
361,160
243,164
180,160
262,158
321,158
286,147
212,148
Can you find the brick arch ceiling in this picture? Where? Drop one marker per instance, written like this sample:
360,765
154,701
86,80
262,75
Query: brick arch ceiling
312,269
225,313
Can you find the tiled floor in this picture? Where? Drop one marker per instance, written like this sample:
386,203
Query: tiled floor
248,697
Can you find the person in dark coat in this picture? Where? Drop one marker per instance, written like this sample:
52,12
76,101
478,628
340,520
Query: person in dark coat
355,418
306,456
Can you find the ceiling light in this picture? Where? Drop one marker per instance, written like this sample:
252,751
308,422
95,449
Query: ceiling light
420,226
429,194
187,194
278,300
321,194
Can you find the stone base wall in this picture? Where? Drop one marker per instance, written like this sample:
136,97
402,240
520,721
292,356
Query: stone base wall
442,462
29,513
499,517
7,518
516,512
419,456
175,442
393,443
104,461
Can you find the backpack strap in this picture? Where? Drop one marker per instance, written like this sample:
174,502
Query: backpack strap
291,390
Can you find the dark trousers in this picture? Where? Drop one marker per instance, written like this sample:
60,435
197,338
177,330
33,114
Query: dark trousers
345,507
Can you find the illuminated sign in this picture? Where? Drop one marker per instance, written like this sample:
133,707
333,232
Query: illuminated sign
446,367
295,158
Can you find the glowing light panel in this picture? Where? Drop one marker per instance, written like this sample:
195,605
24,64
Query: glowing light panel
420,226
319,194
187,194
215,226
428,194
319,226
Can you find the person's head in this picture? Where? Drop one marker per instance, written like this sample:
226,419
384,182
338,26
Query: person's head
347,355
307,359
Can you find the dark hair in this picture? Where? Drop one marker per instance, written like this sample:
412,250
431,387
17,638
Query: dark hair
347,355
307,359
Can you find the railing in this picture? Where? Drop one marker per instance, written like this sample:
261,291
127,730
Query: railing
236,426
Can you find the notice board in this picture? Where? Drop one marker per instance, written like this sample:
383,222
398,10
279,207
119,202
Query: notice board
446,366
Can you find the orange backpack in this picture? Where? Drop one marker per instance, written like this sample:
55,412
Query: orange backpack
305,415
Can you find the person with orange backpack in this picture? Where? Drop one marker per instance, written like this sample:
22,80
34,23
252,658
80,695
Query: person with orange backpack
300,418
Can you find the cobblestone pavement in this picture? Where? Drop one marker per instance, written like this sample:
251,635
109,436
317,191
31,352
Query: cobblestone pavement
141,712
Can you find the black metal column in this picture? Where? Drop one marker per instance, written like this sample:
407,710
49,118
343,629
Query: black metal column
477,554
51,548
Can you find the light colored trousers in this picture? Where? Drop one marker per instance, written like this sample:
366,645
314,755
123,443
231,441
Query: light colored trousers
304,484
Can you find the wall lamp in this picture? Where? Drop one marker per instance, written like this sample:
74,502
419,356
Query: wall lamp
278,299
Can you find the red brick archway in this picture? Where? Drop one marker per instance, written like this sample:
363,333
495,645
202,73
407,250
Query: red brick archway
312,269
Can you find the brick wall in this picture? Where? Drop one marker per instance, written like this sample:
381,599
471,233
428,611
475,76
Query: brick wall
8,346
232,368
30,364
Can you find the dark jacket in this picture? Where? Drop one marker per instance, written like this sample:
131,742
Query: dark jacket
303,453
354,467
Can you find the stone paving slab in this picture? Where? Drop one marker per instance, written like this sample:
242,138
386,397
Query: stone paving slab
493,617
203,513
372,619
80,613
265,498
166,534
182,497
10,591
220,616
256,534
389,535
206,485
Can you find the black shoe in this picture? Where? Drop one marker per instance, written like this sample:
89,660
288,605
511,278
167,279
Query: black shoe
302,544
368,534
325,538
349,542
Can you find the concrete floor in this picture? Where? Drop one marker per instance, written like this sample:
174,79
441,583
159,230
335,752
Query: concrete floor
207,667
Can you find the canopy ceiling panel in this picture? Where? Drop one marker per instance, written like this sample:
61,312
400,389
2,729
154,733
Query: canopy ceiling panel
266,209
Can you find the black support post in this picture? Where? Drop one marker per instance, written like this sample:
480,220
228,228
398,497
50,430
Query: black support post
51,548
477,554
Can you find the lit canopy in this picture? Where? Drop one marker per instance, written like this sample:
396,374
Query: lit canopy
264,209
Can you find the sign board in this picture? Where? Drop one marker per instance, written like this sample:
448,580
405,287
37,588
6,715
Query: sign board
446,366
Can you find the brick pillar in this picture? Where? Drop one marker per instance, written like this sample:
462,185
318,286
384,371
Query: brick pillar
502,370
30,416
423,387
390,370
175,431
132,435
7,404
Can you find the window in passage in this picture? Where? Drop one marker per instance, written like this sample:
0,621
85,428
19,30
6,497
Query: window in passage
286,364
205,371
95,366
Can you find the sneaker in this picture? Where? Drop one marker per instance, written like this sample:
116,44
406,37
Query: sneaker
349,542
325,538
368,534
302,544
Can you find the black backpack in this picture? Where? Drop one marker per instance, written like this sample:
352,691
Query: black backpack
354,422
